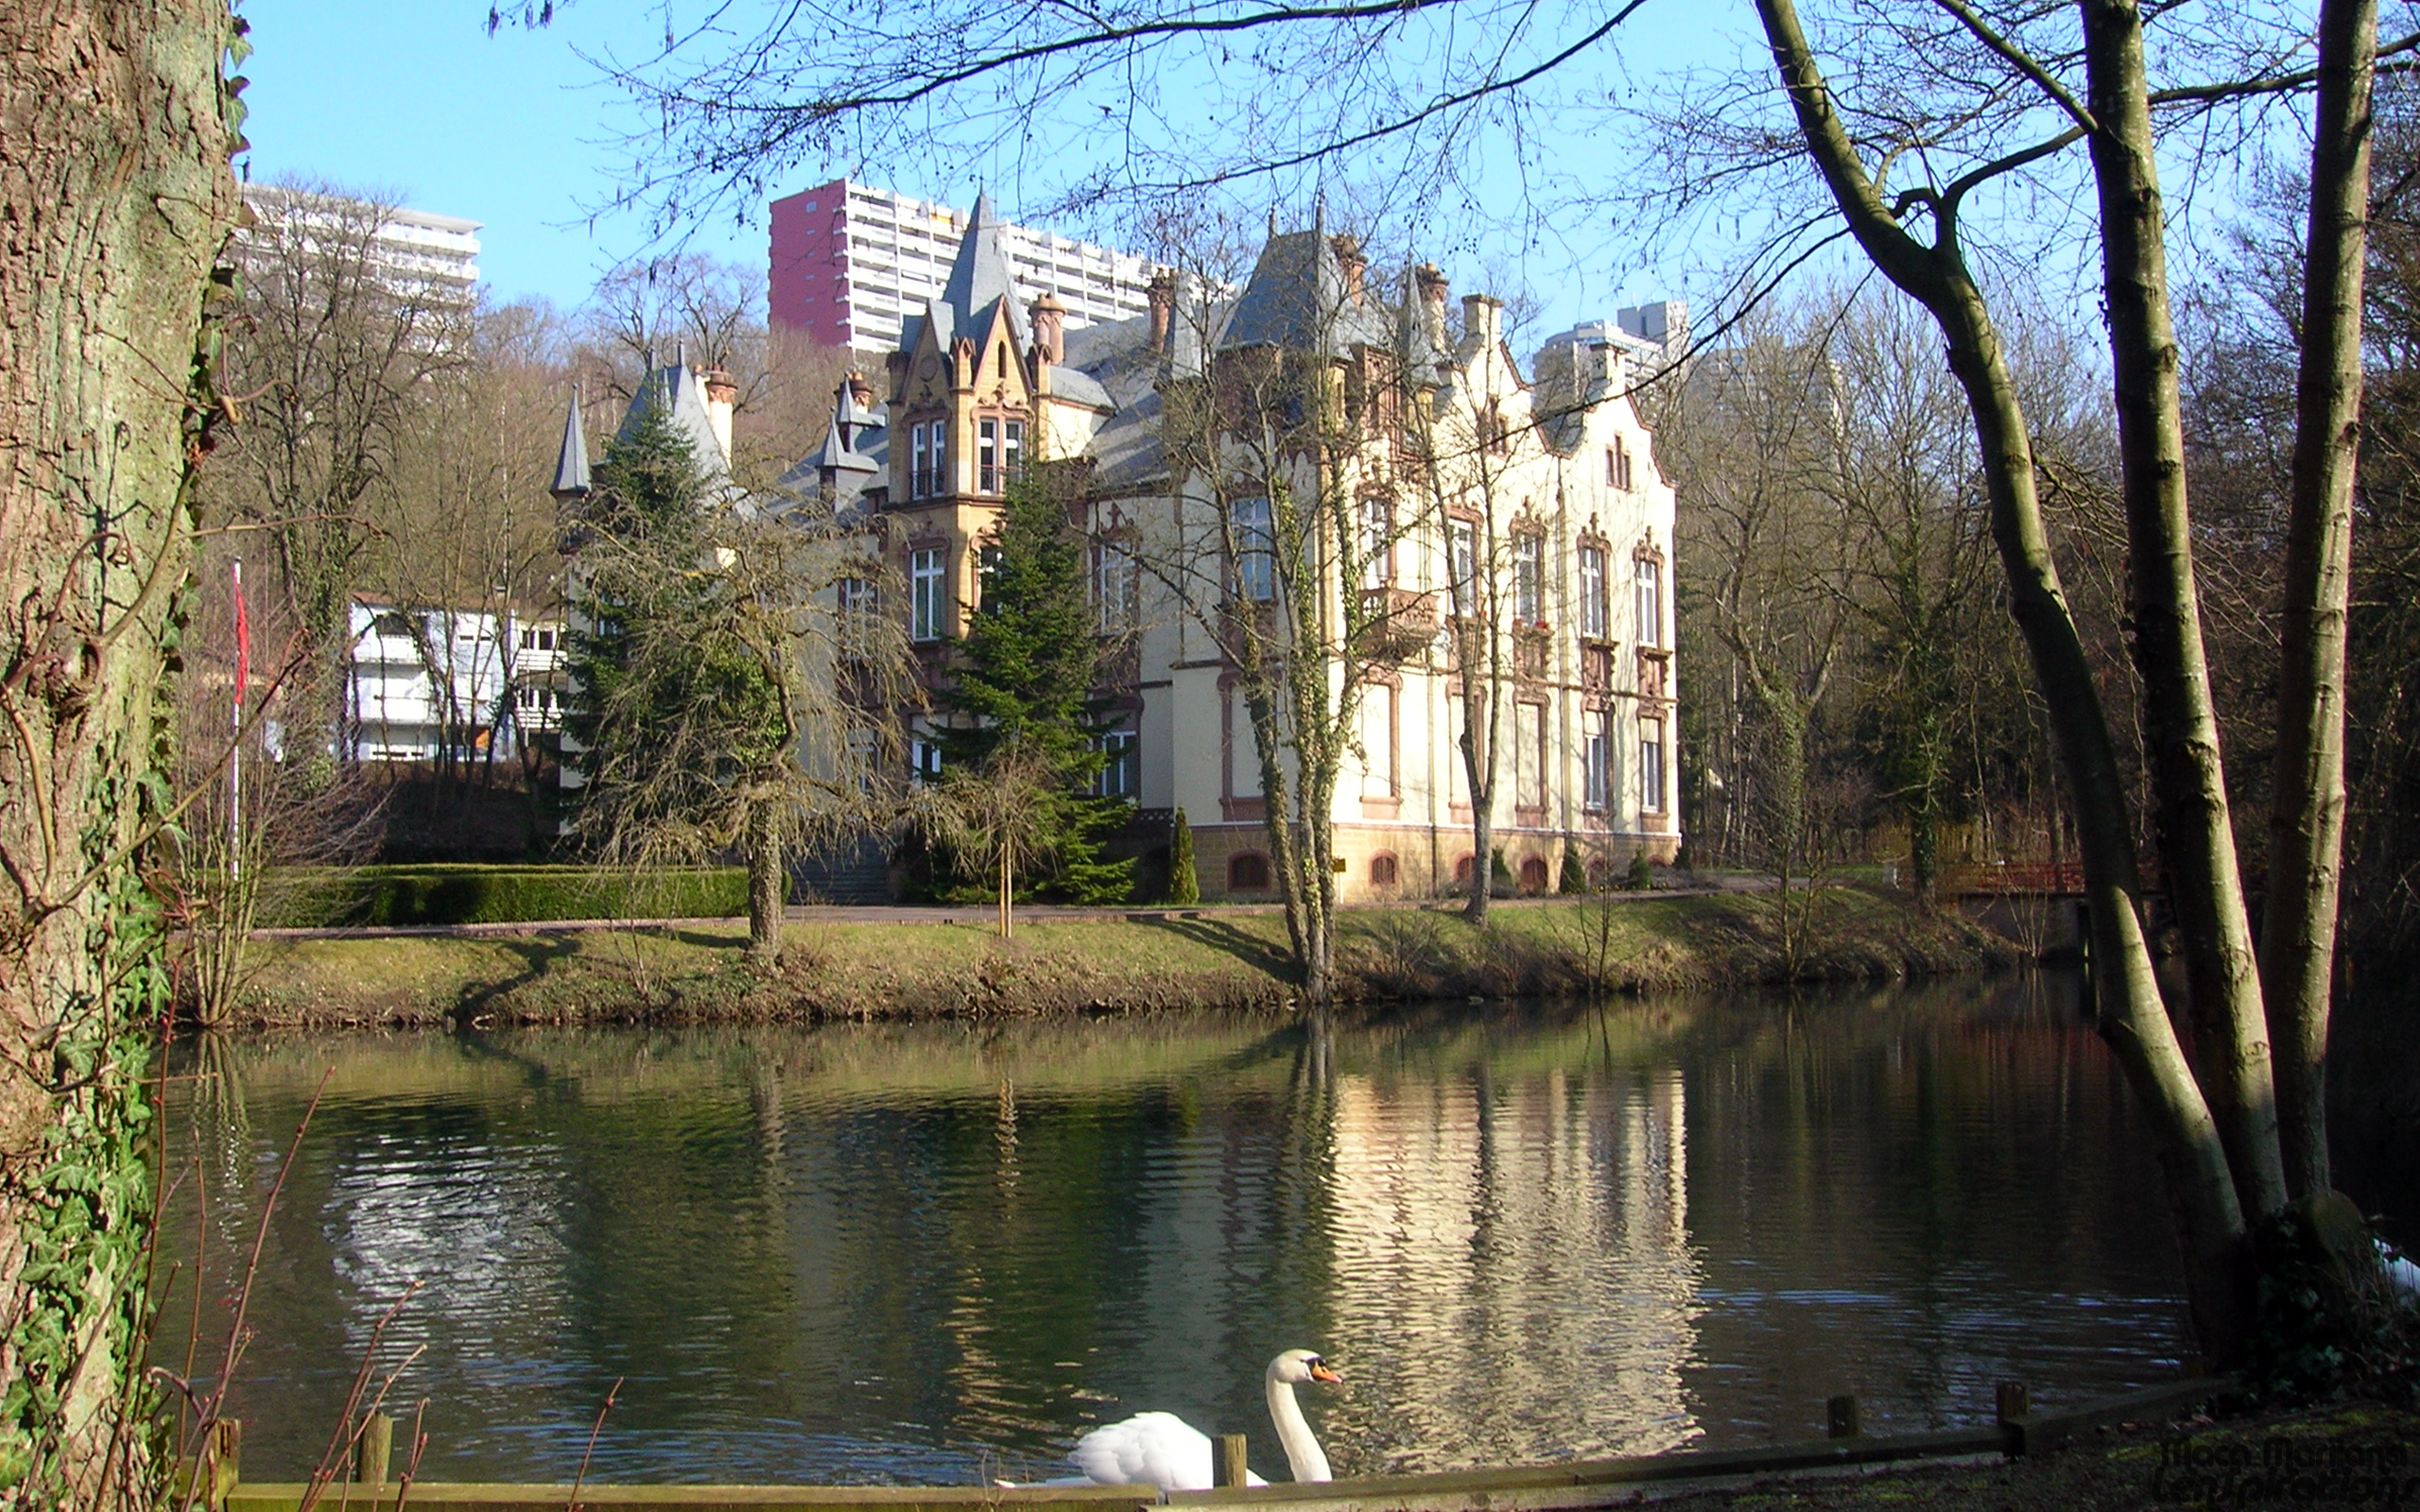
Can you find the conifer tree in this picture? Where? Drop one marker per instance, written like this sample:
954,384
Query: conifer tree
1023,681
1185,888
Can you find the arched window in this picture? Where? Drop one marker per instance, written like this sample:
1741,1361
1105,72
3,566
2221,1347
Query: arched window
1247,873
1533,875
1463,872
1382,870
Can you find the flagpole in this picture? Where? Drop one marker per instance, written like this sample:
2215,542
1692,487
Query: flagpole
235,755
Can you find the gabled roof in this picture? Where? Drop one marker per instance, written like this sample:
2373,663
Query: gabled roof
980,288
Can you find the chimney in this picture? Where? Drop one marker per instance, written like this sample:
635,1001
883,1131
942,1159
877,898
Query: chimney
1433,289
1482,318
721,394
1161,291
1050,330
1349,258
859,390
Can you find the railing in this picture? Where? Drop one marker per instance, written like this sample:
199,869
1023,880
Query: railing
2015,1430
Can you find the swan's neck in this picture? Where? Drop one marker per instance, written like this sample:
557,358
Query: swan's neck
1303,1452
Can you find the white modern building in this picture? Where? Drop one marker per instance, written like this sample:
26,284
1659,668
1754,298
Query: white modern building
423,683
411,249
852,262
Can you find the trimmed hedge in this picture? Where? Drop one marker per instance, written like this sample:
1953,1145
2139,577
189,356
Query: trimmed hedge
384,895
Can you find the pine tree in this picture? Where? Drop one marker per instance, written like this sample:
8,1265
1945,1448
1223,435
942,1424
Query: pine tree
1575,876
1022,680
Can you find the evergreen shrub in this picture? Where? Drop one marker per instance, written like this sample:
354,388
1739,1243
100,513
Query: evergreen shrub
381,897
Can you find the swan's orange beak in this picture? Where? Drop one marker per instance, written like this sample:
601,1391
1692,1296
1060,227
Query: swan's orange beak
1321,1372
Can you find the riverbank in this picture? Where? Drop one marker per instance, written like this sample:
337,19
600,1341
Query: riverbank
844,968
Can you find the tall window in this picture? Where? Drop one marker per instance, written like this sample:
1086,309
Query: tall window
1529,578
1593,774
928,459
926,575
1651,765
987,454
1617,468
1117,589
1529,749
1378,740
1255,549
1119,776
1461,546
1011,450
924,761
1650,601
857,596
987,575
1377,543
1596,613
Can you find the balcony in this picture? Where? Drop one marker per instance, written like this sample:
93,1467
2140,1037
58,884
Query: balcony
1397,624
1532,650
1596,669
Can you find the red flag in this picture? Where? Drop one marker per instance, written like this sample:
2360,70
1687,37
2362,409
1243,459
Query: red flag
243,640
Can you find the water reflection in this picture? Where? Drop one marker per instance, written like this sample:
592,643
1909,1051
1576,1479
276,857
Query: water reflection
926,1253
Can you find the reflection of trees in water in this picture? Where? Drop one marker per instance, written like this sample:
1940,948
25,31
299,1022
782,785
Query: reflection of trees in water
869,1252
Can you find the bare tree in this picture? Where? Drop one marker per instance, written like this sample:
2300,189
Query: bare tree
339,349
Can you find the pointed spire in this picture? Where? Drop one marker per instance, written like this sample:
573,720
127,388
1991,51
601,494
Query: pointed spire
571,467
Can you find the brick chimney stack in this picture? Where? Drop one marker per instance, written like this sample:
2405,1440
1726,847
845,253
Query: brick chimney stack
1433,290
722,396
1050,329
1349,258
1161,291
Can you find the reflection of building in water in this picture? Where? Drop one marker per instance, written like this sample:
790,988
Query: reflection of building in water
1515,1258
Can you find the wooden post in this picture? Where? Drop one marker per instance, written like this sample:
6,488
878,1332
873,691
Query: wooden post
1227,1461
1839,1418
377,1442
2010,1401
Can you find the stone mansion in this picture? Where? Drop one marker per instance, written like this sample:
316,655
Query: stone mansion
1319,464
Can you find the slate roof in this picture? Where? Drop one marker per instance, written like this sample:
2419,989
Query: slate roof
981,290
571,465
1296,298
680,387
854,456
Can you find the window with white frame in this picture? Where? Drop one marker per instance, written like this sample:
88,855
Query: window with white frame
1595,770
924,761
1119,774
1012,451
1255,540
927,574
1650,601
1117,589
929,456
1462,549
987,578
1595,611
987,454
1651,765
1378,740
1377,543
1529,577
1528,755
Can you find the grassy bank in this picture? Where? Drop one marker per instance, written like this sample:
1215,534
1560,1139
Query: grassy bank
1216,959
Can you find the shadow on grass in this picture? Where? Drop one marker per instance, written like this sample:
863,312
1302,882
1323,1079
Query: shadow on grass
1229,939
539,953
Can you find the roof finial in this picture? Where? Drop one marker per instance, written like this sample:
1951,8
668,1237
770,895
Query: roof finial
1273,222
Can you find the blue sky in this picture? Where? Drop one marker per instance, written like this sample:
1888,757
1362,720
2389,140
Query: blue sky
416,101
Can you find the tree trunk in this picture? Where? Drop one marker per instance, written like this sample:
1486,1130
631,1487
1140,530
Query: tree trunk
2133,1020
764,879
113,172
2307,792
2196,834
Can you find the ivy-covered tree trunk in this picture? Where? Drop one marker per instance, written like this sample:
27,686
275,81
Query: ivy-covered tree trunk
765,875
117,201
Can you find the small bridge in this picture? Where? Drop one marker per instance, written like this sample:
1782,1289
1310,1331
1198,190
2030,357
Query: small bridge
2013,878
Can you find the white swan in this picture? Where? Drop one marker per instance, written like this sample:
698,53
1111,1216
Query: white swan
1163,1450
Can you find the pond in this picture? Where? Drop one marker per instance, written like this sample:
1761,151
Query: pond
929,1253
